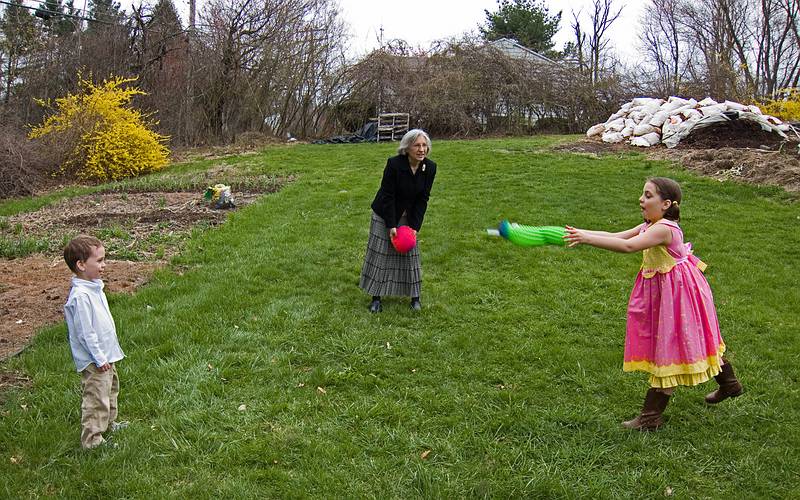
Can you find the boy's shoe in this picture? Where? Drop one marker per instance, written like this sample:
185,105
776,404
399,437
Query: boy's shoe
416,305
109,443
96,445
105,443
117,426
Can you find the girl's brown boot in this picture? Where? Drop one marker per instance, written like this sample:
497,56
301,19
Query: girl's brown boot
729,386
655,402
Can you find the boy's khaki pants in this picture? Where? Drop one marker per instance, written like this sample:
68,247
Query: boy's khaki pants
98,404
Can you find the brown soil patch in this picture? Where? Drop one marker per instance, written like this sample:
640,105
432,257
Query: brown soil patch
35,288
754,166
140,231
142,226
593,147
12,380
738,153
248,142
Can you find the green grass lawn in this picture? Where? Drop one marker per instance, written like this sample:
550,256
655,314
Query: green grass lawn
508,383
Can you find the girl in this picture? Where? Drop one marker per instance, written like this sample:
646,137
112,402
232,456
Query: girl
672,330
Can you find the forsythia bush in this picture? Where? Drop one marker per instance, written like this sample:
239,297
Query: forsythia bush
787,109
104,137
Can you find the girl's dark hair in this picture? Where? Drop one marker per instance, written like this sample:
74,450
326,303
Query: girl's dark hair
669,190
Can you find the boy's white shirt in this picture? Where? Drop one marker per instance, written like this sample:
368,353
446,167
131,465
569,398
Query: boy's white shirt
92,332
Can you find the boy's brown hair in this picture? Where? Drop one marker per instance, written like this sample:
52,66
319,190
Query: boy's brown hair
80,248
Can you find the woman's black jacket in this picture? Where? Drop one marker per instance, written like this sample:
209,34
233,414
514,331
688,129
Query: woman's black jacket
401,191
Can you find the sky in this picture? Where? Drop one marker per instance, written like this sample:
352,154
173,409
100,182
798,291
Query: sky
421,22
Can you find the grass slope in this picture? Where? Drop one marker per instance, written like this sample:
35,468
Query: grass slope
509,381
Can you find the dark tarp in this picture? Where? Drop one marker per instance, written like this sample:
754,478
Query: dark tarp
367,133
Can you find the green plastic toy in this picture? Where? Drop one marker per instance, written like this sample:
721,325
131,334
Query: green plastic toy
532,236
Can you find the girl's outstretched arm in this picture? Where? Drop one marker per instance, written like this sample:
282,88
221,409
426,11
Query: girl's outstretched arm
622,242
627,234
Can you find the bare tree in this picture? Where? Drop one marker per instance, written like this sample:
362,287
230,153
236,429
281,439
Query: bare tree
764,35
602,17
580,42
465,88
269,64
747,48
664,44
591,46
792,9
159,56
711,66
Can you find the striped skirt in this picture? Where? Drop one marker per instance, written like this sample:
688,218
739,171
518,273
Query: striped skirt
386,272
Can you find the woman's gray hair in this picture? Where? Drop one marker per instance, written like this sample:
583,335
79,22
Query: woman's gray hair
410,138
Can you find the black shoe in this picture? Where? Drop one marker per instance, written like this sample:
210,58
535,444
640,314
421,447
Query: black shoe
375,306
415,305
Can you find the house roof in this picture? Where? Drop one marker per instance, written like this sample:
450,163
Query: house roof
513,49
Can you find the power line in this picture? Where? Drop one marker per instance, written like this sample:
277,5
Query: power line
53,12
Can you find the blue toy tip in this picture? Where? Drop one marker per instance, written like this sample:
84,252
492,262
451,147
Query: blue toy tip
503,228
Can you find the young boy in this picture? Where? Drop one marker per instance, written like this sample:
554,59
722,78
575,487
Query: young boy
92,338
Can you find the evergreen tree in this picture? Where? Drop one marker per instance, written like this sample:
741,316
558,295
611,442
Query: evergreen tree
104,12
526,21
57,19
165,14
165,28
71,22
18,29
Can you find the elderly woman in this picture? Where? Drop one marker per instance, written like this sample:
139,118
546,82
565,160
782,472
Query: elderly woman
401,201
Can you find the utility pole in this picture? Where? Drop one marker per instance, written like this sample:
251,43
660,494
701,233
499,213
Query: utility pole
380,86
188,124
192,13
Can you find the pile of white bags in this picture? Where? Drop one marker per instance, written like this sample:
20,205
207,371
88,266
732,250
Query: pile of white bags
646,121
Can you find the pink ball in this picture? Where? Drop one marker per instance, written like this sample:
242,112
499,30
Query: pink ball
405,239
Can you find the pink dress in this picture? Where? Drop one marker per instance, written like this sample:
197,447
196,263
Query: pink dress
672,330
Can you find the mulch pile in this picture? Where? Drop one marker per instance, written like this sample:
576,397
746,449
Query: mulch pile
736,134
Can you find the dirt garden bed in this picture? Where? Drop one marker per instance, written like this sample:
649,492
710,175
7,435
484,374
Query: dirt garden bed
35,288
140,230
733,154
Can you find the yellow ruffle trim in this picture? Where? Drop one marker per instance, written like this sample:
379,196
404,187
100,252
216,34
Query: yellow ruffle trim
656,260
649,273
663,377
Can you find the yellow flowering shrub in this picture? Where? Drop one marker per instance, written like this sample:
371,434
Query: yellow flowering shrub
104,137
787,109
